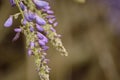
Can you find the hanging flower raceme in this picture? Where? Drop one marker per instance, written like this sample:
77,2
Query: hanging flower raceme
37,24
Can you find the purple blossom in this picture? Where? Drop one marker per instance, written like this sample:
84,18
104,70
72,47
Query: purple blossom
47,7
40,36
55,24
31,29
50,12
45,39
9,21
32,44
45,48
45,61
51,21
23,7
40,4
40,20
30,52
17,30
50,16
39,28
52,29
29,16
12,2
16,36
41,42
24,22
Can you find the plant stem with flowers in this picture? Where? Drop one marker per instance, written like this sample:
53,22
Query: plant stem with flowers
38,24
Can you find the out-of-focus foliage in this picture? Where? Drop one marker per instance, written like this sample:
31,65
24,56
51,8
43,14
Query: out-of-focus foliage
80,1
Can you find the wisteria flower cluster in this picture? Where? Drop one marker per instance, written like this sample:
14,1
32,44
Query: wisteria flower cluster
38,24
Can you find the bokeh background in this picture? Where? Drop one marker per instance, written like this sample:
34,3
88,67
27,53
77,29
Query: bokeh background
90,32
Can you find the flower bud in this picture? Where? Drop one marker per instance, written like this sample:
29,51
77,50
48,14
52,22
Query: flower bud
40,20
50,16
32,44
12,2
30,52
39,28
31,15
55,24
24,22
42,43
51,21
17,30
45,48
16,36
50,12
23,7
31,29
40,36
9,22
40,4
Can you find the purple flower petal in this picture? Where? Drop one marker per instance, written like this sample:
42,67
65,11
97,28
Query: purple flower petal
39,28
23,7
9,22
40,4
45,48
40,36
42,43
55,24
51,21
50,16
45,40
31,15
52,29
27,16
12,2
47,7
31,29
50,12
46,61
24,22
16,36
40,20
17,30
32,44
30,52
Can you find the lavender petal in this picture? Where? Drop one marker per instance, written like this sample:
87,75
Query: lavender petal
31,29
16,36
50,12
32,44
40,36
55,24
40,4
42,43
30,52
9,22
12,2
39,28
23,7
40,20
17,30
45,48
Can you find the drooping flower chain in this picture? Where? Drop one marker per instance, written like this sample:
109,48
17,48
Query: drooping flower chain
37,24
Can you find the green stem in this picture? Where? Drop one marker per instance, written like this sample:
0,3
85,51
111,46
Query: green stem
17,3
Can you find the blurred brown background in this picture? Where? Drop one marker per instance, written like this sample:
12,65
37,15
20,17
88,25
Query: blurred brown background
87,33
